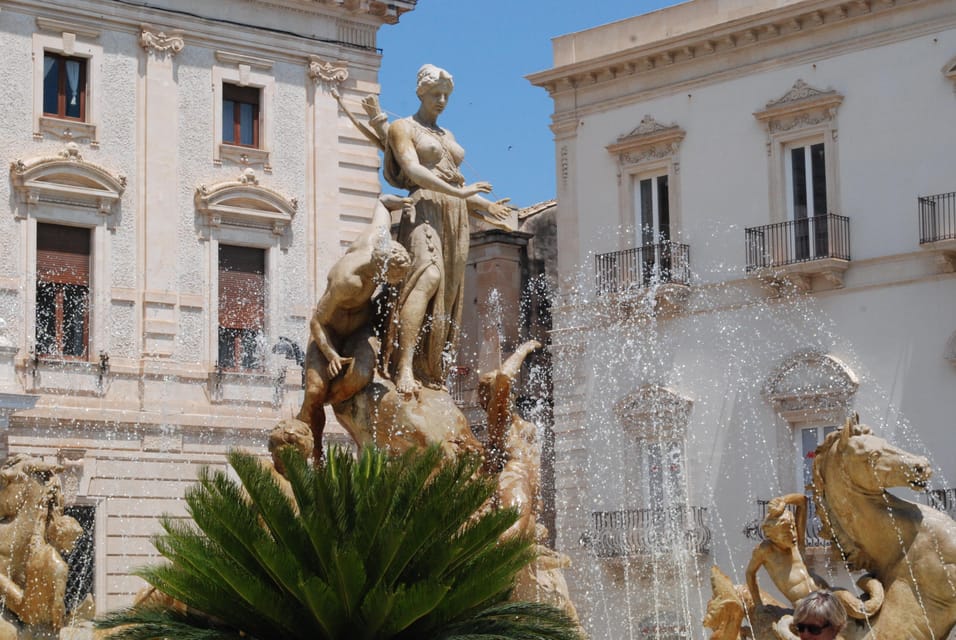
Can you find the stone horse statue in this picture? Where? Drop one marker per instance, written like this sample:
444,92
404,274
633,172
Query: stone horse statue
34,533
910,548
907,548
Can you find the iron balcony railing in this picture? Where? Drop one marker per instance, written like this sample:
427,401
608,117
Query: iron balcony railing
943,499
803,240
813,539
648,532
937,218
664,262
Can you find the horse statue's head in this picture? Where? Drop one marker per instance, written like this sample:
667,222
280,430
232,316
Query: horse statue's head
869,462
854,461
23,478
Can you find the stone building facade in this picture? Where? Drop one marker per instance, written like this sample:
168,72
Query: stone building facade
756,236
180,181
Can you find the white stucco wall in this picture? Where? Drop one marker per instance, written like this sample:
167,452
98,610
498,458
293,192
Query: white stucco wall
890,320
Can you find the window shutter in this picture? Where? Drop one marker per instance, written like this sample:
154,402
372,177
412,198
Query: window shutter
241,287
63,254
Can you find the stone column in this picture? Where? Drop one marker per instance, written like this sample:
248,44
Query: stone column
327,78
495,258
158,197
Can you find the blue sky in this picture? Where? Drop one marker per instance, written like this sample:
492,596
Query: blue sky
489,46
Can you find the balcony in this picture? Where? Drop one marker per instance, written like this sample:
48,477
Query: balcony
814,527
648,533
633,269
943,499
799,250
937,226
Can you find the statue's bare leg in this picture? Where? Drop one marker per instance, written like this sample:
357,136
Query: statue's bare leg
316,389
363,349
410,320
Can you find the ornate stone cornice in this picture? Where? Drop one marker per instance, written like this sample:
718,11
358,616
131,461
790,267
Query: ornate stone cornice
810,383
239,59
245,203
654,412
160,42
648,140
60,26
724,37
67,178
332,74
801,105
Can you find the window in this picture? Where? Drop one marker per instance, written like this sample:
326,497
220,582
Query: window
244,90
63,291
240,115
648,163
806,177
662,473
801,130
82,559
241,307
64,86
809,439
653,226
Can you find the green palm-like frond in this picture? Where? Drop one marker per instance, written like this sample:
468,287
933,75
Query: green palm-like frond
376,547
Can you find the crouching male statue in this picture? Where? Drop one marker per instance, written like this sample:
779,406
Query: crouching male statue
341,357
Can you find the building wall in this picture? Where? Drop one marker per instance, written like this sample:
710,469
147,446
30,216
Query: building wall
700,364
134,420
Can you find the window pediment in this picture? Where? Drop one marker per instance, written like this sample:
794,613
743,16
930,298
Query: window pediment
245,203
652,412
801,106
67,179
649,140
810,383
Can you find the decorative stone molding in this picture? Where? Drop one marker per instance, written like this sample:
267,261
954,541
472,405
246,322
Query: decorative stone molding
61,27
333,74
66,179
949,70
650,140
244,203
652,412
751,31
240,60
72,475
800,107
811,386
160,42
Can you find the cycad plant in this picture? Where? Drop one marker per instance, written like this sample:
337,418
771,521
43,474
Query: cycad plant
378,547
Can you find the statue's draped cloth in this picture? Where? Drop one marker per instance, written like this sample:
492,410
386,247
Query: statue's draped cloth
436,233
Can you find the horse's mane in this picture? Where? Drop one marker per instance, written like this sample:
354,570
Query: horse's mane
853,555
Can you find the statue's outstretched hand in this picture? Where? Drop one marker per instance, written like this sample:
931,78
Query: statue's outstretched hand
475,188
500,210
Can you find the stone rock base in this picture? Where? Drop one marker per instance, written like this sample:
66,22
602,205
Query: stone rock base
379,415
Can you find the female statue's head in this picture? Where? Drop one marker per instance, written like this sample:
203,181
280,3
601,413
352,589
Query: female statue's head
430,76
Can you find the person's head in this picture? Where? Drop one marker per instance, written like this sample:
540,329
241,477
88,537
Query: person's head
433,89
819,616
290,433
393,261
779,525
